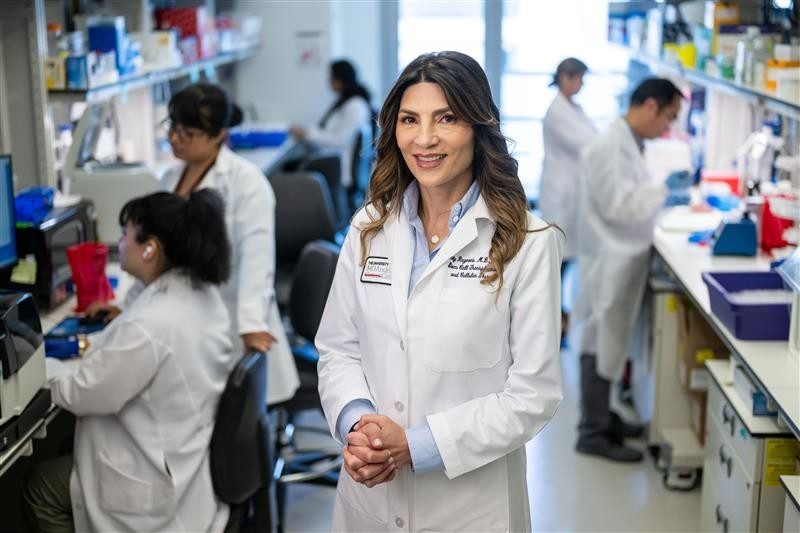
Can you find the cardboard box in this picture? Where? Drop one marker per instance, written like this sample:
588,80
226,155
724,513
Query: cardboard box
697,415
195,28
697,343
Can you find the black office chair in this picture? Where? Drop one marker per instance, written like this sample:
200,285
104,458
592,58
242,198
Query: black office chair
363,159
240,454
329,164
304,212
312,282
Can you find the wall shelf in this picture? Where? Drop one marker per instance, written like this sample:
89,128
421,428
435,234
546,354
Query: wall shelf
146,79
790,109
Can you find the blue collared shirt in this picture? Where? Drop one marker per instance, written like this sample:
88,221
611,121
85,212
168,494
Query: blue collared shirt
425,455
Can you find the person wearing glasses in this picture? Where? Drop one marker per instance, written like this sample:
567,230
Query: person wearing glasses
198,122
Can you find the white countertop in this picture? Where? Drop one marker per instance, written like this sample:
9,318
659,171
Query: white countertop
721,372
769,362
791,484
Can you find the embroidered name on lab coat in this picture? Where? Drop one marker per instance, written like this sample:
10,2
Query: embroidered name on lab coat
467,267
377,270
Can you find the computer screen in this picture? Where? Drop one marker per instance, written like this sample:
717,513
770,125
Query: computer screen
8,241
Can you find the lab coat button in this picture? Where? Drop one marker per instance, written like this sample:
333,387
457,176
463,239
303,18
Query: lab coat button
402,346
455,218
398,522
78,506
399,406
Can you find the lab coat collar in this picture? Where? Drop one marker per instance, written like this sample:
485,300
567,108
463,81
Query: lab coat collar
396,229
221,167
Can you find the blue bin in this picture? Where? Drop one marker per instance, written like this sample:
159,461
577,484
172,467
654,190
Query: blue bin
242,138
751,322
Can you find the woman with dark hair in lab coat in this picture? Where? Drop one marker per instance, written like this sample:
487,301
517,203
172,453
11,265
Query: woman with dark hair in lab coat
439,341
341,123
145,393
199,118
566,131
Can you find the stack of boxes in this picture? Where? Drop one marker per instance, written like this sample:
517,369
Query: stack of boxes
197,38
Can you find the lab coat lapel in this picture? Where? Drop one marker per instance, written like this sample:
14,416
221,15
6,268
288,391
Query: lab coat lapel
463,234
402,251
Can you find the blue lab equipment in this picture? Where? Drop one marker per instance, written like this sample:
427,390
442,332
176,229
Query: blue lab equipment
680,179
735,238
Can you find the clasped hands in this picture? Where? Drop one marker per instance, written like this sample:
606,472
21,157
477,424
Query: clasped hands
376,450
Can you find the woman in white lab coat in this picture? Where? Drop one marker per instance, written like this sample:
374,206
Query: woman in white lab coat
343,120
566,131
145,393
198,120
439,341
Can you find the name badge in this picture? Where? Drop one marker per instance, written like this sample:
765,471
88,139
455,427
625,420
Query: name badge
377,270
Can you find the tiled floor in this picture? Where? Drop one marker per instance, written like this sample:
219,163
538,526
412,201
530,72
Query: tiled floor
569,492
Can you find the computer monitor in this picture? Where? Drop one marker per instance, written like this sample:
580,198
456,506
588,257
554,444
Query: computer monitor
8,241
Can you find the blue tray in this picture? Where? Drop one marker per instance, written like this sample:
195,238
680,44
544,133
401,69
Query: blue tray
752,322
256,138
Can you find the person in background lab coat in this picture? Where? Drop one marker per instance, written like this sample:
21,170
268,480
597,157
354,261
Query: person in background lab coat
342,121
439,341
619,204
199,116
145,393
566,131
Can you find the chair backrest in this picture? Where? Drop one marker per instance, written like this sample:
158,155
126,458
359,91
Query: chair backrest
313,276
363,155
303,212
330,166
240,453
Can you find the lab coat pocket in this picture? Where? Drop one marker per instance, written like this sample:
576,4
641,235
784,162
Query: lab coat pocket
370,502
468,328
121,492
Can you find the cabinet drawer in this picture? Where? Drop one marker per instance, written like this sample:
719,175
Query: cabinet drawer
737,494
745,446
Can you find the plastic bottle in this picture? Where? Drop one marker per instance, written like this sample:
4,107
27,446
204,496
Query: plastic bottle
760,55
744,55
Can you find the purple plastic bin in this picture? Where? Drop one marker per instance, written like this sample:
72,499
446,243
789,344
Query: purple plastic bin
751,322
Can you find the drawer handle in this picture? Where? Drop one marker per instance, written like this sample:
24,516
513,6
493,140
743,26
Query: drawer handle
725,459
721,519
727,417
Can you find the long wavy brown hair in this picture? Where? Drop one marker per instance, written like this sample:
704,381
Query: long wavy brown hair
467,91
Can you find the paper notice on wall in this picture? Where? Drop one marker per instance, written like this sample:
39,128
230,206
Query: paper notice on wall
308,47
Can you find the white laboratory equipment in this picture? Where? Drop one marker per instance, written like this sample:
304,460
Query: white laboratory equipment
92,169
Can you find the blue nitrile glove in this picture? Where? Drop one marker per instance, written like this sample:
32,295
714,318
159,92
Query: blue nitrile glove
678,197
680,179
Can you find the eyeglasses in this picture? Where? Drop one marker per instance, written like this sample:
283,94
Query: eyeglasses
183,133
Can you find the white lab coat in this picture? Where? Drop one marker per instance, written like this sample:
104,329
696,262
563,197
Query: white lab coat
145,396
339,133
482,370
250,293
619,204
566,131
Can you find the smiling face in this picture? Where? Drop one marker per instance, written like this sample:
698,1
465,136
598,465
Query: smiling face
437,147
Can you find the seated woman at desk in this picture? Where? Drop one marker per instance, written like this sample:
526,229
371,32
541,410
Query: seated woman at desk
199,118
145,393
341,123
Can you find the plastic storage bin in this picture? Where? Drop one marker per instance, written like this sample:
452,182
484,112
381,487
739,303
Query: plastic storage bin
256,138
752,322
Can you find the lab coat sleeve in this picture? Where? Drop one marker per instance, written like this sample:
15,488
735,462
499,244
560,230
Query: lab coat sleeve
487,428
110,374
337,134
619,197
254,249
341,377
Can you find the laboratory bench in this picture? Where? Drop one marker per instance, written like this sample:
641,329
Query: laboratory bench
743,455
